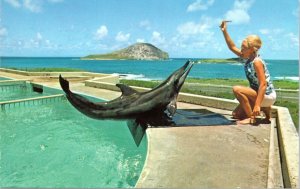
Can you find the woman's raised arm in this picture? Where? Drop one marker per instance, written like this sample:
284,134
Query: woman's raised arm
228,40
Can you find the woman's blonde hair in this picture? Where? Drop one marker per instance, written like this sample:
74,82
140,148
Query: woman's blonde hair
254,41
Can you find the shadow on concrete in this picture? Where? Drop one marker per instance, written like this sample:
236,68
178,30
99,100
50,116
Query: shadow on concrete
199,117
182,118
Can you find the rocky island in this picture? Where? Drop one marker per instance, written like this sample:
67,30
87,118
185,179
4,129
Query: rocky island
137,51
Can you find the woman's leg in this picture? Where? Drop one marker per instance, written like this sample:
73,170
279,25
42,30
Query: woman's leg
267,112
238,113
246,96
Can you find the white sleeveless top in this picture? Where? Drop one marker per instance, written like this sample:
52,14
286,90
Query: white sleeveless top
252,76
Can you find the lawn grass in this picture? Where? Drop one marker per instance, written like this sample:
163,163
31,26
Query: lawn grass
219,60
48,69
283,84
278,84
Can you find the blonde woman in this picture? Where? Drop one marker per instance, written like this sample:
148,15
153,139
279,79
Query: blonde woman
261,94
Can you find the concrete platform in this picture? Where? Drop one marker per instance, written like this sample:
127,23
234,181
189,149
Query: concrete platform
207,157
230,156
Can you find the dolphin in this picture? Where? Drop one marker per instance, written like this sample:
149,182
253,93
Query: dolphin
132,104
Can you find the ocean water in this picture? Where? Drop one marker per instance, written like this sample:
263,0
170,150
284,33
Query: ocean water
154,70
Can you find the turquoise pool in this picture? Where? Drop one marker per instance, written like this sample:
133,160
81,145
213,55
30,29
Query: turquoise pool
53,145
4,78
16,91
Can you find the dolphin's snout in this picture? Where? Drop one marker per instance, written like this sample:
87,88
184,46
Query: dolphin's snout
186,69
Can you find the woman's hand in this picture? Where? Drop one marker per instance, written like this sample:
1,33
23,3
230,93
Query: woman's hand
223,25
256,111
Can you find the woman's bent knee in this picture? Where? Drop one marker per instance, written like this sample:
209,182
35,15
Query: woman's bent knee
236,89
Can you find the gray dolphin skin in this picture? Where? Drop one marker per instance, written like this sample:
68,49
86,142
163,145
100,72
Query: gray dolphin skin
133,104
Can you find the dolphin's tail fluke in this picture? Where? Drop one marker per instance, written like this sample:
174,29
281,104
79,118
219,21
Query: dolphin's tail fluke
64,84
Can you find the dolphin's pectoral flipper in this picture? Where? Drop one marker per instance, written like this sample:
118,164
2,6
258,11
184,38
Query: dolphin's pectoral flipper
126,90
172,107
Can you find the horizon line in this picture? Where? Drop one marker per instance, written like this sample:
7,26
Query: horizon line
117,59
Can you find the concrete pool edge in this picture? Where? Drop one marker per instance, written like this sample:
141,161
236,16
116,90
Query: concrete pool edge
146,159
289,147
287,134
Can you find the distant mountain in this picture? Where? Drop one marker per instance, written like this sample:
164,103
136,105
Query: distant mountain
137,51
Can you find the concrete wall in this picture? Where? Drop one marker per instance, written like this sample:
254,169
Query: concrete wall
14,71
113,79
282,94
110,86
208,101
52,74
55,74
289,148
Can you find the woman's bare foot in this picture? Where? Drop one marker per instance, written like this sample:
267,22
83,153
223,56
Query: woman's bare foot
266,121
246,121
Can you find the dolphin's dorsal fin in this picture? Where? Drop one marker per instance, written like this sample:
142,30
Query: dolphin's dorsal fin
126,90
172,107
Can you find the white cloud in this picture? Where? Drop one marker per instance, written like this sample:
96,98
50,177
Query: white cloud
277,31
101,32
193,28
279,39
55,1
145,24
140,40
199,5
3,32
294,39
239,13
39,36
264,31
157,38
47,42
14,3
121,37
37,41
33,5
196,37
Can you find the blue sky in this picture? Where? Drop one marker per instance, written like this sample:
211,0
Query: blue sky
183,28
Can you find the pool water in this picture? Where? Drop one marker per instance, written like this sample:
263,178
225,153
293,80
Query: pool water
54,145
4,78
23,90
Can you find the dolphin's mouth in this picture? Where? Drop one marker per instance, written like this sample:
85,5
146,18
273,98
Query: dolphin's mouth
184,73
